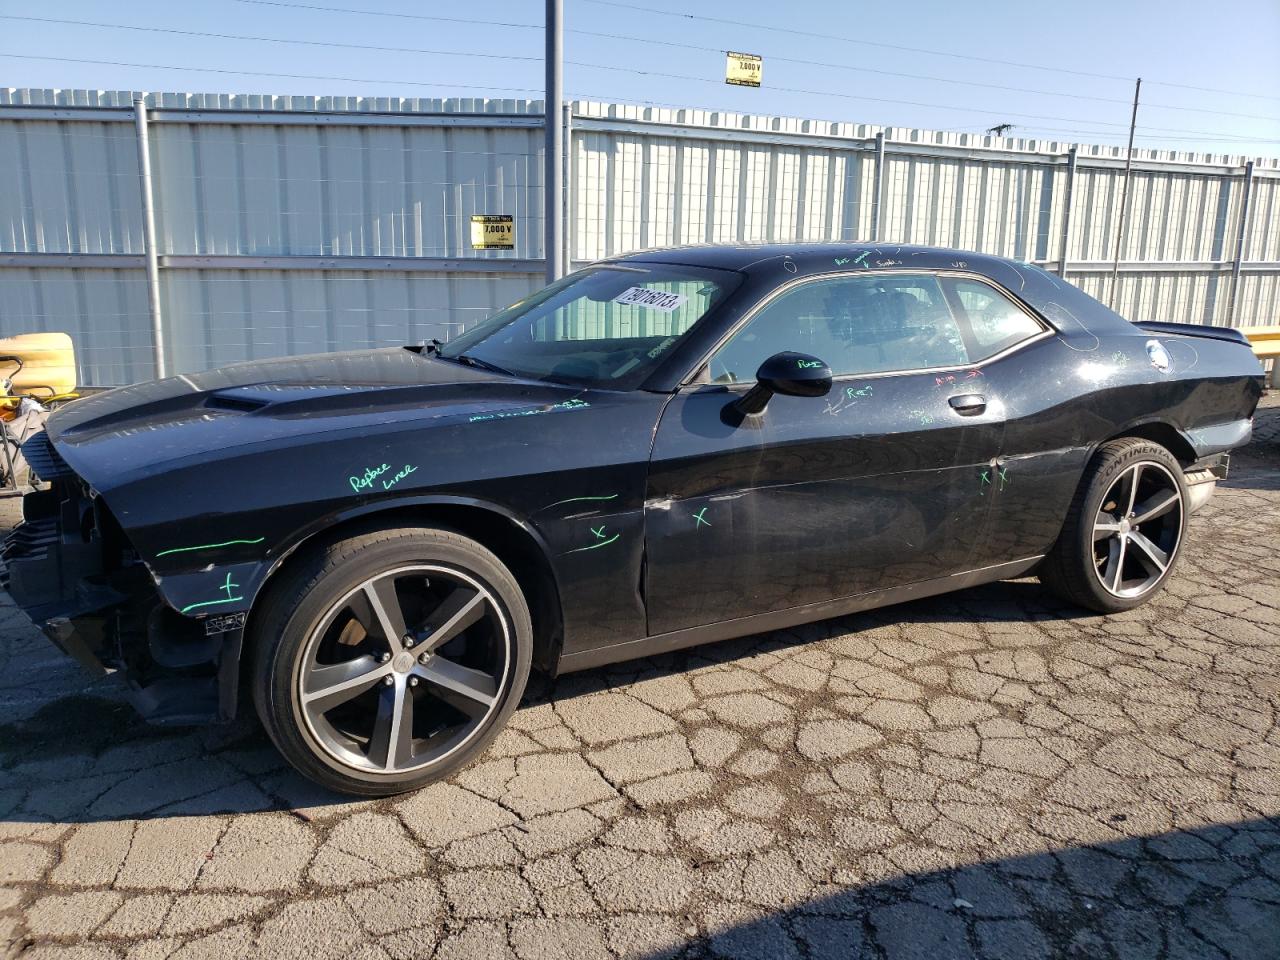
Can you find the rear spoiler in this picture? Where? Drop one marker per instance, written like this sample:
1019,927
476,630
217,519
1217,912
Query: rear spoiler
1229,334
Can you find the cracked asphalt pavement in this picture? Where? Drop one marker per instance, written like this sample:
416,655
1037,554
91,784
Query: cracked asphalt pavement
982,774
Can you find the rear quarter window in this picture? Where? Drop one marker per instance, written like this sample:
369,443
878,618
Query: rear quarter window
995,321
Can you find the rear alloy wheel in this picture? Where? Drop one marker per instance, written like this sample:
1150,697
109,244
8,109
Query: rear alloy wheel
1126,524
404,677
1128,559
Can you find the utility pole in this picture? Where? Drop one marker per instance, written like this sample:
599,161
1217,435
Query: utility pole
1124,194
553,171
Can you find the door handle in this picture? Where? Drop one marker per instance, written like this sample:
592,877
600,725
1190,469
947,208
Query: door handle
968,404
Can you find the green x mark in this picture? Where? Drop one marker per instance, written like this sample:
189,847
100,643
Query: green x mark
701,519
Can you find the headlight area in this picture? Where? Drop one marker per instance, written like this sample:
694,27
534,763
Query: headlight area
73,571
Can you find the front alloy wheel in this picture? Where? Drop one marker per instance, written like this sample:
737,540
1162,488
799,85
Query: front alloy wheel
407,675
404,669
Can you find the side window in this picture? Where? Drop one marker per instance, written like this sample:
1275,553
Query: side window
857,324
997,322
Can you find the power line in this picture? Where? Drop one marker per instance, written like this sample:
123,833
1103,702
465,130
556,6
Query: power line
598,66
781,59
292,40
262,73
1230,93
849,67
1224,136
1209,134
388,13
912,103
498,56
773,28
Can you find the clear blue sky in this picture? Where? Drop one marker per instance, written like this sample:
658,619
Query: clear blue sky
1232,47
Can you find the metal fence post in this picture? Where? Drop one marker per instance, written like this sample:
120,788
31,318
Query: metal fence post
1242,237
149,236
1065,242
566,206
553,211
876,219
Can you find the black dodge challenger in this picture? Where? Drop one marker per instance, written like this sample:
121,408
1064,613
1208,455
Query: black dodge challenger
660,450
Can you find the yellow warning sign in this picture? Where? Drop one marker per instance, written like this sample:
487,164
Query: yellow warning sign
743,69
493,231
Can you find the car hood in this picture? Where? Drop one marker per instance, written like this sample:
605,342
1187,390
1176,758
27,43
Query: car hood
131,431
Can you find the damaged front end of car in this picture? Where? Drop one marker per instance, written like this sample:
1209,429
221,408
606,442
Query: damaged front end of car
72,569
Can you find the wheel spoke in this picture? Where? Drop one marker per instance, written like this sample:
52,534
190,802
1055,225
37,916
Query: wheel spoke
325,687
1156,505
382,599
392,739
460,610
1113,571
1148,554
477,690
1133,488
1105,528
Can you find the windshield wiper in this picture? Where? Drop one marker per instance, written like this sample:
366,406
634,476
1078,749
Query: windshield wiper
433,346
471,361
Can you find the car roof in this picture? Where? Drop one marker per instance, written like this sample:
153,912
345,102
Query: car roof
808,256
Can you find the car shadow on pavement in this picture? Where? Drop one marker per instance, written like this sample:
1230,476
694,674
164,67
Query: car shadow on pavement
1210,893
1003,602
86,756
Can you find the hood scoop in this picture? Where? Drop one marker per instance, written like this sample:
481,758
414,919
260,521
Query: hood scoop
237,404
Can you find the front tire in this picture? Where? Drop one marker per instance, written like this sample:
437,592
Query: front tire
388,660
1123,531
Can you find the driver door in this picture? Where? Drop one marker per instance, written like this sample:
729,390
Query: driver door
877,485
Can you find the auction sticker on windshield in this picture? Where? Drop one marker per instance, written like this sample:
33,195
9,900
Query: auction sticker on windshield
653,299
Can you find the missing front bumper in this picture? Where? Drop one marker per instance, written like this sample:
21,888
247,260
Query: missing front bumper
70,570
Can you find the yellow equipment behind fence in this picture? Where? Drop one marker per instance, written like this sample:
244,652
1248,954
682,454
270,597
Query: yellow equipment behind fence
1266,346
38,365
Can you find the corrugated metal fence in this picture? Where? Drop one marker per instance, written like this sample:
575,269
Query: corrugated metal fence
297,224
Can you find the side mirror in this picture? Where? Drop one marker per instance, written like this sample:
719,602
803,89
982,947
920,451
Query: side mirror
792,375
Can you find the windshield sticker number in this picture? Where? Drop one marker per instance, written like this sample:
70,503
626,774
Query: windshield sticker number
652,299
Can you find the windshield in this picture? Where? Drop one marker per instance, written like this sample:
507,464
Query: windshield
606,326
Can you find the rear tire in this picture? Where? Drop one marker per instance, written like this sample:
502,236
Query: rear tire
389,660
1124,529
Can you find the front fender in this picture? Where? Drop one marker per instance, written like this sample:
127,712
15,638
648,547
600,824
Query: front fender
230,581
